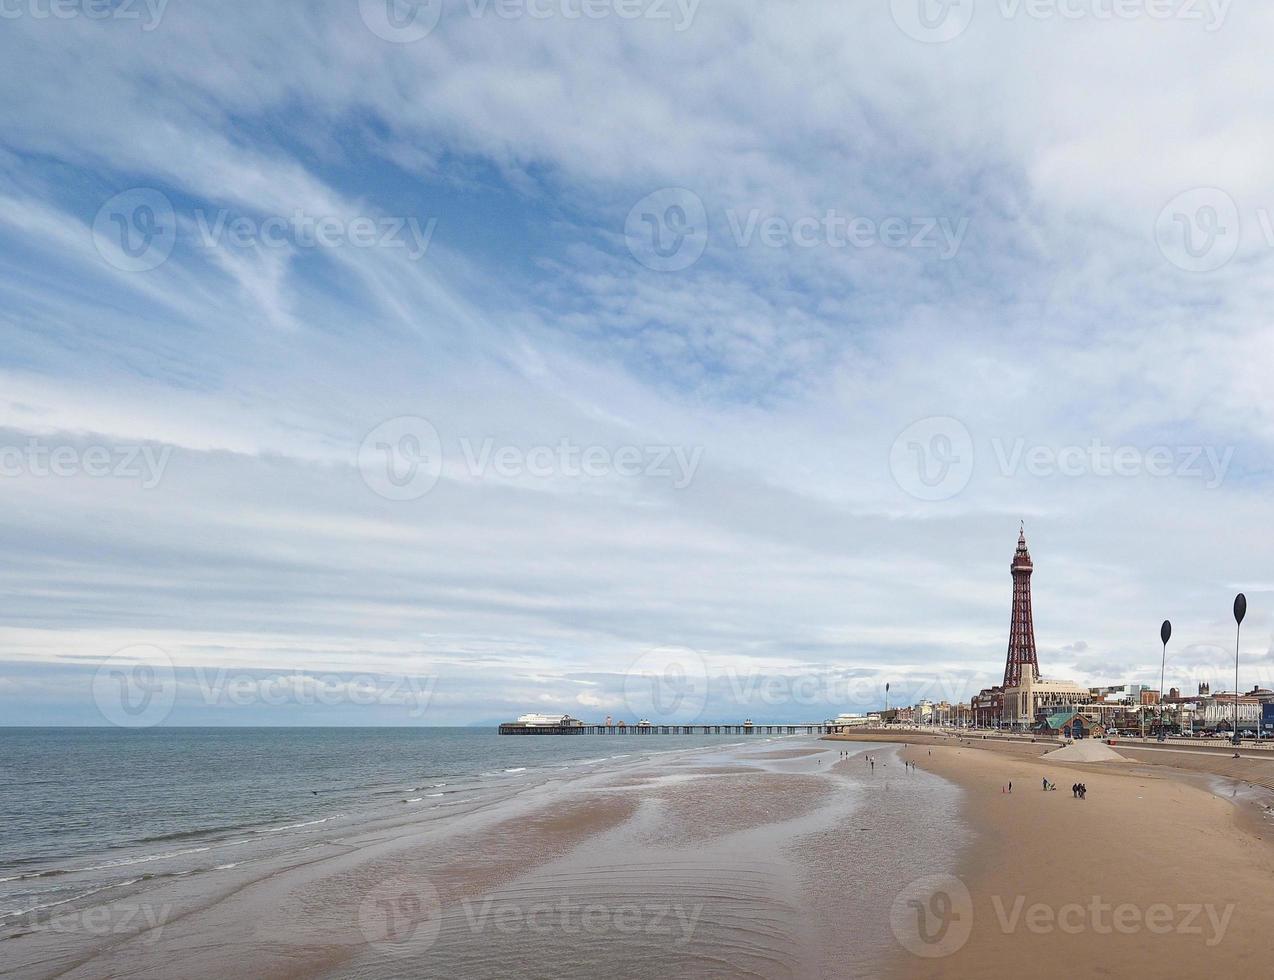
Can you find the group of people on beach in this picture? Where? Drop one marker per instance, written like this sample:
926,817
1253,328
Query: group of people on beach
1079,790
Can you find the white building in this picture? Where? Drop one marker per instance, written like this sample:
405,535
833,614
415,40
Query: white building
549,721
1024,702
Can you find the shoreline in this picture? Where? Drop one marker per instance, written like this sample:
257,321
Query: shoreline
1152,872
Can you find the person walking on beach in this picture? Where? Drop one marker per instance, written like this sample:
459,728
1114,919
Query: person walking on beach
1010,786
1075,790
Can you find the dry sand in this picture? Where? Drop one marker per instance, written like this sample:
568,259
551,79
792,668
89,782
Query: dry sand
1151,874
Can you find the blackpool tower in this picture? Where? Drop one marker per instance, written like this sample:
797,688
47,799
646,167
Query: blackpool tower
1021,656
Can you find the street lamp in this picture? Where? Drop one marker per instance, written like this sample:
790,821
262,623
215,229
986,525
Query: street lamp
1165,634
1240,610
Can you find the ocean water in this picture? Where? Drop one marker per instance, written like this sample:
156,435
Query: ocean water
86,811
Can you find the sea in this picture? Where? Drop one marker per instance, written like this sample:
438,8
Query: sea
91,811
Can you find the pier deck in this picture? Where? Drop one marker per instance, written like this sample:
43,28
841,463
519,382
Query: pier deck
513,728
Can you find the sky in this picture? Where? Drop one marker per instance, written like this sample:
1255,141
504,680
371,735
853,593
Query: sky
372,362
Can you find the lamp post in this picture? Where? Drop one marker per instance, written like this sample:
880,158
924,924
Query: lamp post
1240,610
1165,634
886,701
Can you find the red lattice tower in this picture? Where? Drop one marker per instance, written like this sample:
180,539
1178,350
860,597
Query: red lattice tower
1022,628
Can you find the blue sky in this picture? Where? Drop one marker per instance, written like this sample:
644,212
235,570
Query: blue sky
728,346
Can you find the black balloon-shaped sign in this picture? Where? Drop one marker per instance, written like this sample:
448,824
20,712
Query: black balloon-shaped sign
1165,632
1240,607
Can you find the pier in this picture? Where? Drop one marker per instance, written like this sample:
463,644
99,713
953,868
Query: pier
806,728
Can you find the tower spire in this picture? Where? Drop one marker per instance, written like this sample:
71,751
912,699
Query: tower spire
1021,653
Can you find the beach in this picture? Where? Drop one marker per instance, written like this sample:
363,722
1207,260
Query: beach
1157,870
786,858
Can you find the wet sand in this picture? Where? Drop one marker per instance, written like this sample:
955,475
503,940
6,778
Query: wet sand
1156,872
766,860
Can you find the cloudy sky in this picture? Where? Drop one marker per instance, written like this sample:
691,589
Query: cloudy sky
370,362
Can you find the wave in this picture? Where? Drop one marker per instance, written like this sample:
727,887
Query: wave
163,855
63,901
108,865
304,823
